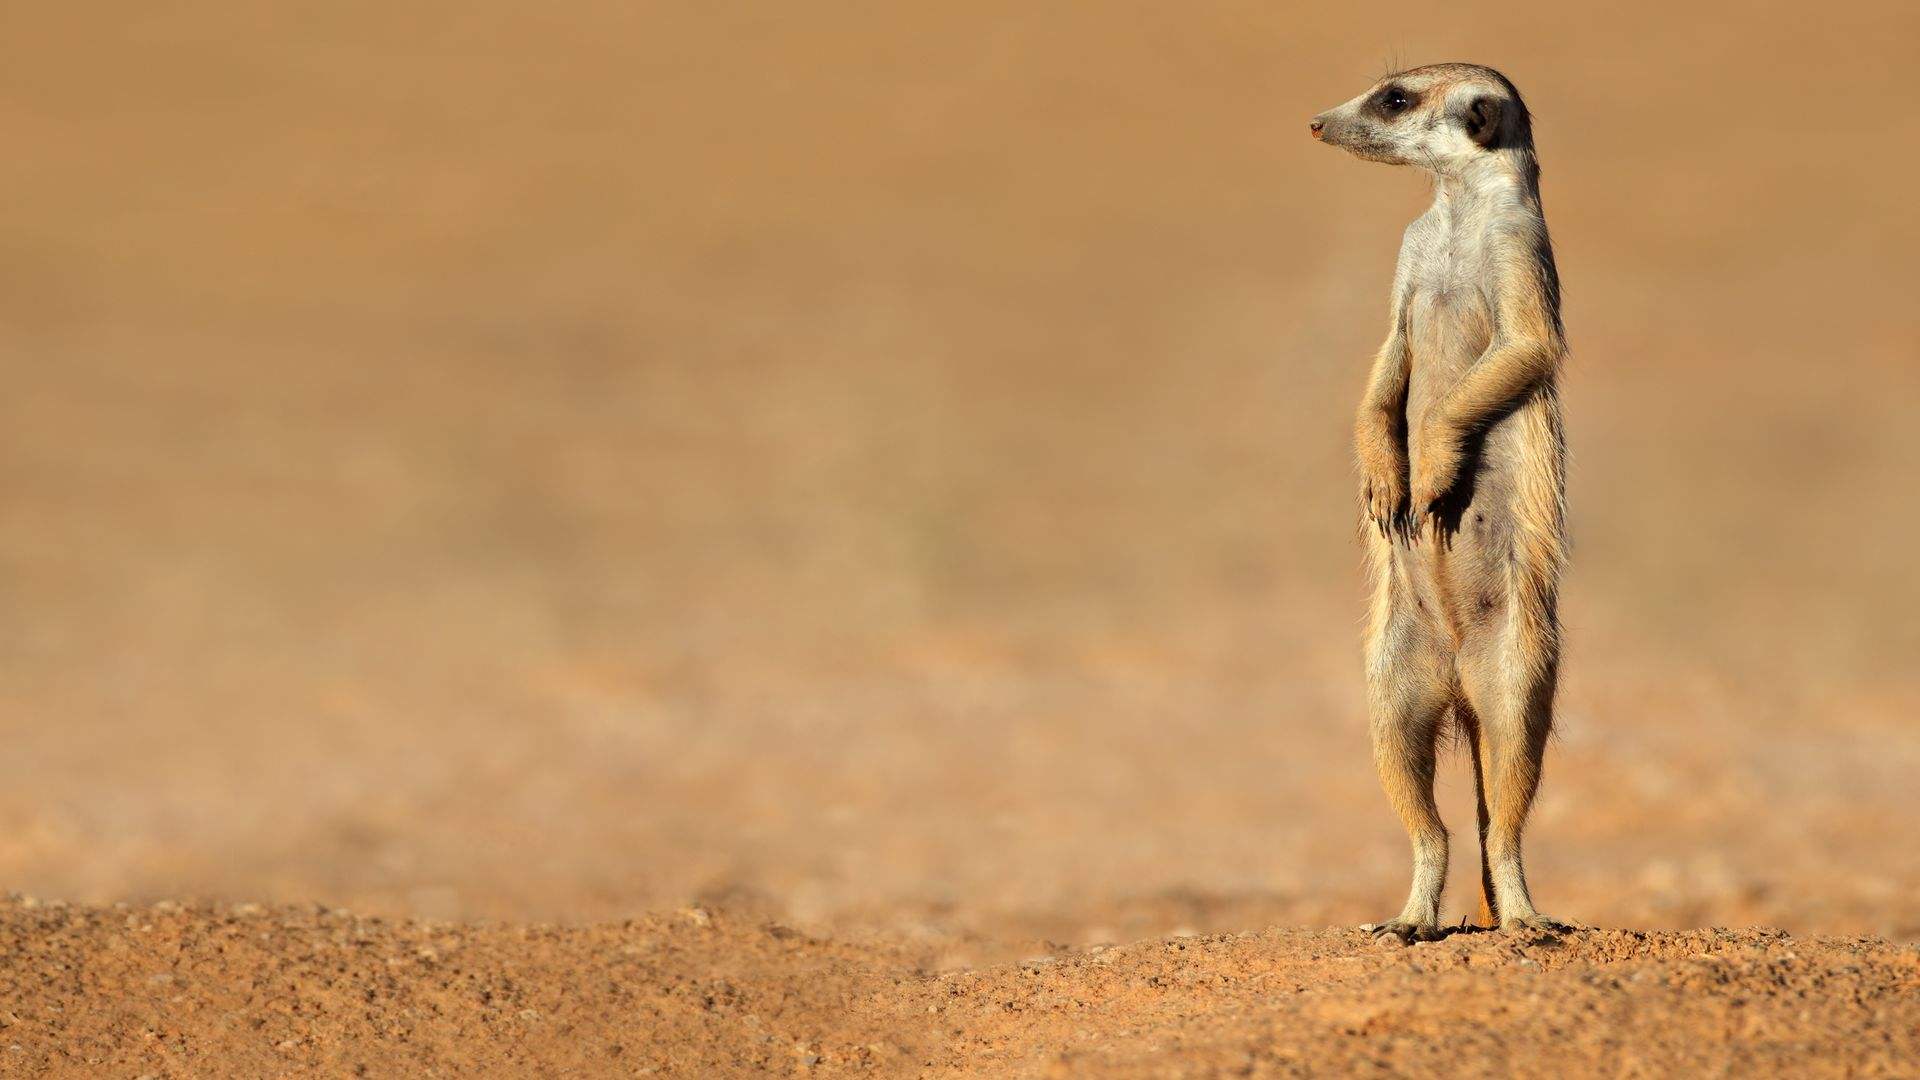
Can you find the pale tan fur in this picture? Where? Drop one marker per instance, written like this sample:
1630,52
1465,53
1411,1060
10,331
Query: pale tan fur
1462,460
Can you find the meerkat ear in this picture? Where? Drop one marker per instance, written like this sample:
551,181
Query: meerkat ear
1482,119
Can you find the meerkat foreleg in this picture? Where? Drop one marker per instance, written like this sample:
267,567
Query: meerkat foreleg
1380,437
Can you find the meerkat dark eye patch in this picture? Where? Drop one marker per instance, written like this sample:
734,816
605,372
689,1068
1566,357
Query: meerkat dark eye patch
1391,102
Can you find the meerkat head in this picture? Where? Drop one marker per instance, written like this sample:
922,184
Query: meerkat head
1439,117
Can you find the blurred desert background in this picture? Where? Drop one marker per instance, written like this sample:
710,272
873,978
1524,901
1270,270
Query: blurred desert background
885,468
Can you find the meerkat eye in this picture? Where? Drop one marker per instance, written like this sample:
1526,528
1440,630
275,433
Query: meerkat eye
1393,101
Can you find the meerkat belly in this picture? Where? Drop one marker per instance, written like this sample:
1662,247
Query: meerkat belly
1460,579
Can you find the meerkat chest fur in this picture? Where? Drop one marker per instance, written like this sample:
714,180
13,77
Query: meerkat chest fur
1451,279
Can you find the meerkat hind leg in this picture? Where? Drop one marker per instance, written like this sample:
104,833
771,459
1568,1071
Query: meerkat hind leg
1409,691
1512,695
1469,725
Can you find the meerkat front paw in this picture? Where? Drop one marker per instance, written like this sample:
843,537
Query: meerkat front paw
1383,498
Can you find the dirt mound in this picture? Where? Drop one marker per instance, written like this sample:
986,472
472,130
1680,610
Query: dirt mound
251,991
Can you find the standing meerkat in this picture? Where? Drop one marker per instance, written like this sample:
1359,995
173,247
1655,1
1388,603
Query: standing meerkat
1463,465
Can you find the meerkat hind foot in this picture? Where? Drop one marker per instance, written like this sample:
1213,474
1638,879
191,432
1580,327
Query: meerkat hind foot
1408,932
1538,923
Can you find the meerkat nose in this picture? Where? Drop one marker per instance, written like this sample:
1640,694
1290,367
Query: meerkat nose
1314,125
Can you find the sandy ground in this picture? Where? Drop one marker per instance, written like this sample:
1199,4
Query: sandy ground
166,991
883,472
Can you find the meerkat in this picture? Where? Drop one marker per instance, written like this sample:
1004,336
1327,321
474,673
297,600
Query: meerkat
1462,460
